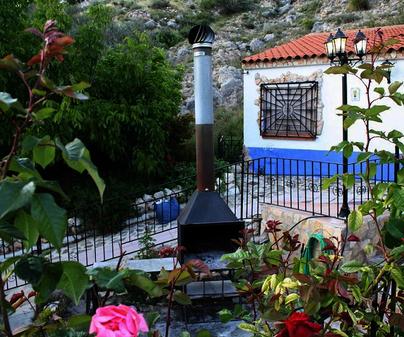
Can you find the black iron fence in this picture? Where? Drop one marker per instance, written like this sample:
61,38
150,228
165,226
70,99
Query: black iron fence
230,148
95,236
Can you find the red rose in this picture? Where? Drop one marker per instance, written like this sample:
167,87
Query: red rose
298,325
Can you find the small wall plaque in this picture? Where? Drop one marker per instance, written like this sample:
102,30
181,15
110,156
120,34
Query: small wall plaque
355,94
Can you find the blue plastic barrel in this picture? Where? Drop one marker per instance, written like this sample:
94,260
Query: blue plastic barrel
167,210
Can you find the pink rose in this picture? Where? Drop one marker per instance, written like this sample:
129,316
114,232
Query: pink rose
117,321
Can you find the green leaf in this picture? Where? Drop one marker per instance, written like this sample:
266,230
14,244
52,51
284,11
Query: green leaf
380,90
47,284
356,292
146,284
74,280
14,195
182,298
398,251
44,113
203,333
24,166
185,334
397,275
69,91
274,257
291,297
372,170
345,69
107,278
225,315
400,176
379,190
39,92
351,108
81,86
51,219
376,109
29,142
393,87
348,180
6,101
395,227
348,149
79,322
10,63
355,220
363,156
327,182
78,158
352,266
350,120
30,268
44,152
51,186
9,232
395,134
6,264
26,224
249,328
152,318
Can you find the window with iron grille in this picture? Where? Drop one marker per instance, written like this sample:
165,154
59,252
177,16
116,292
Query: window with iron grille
289,109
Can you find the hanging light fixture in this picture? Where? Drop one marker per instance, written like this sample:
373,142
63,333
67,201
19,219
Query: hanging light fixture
387,67
360,43
340,43
329,47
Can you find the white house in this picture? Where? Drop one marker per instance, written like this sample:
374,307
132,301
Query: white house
290,104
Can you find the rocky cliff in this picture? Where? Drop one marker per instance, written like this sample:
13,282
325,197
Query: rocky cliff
254,25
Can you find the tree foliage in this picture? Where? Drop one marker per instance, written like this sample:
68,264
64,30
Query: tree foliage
132,119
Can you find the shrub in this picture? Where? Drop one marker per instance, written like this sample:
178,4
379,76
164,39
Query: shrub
311,7
159,4
106,218
307,24
166,37
345,18
207,4
228,6
358,5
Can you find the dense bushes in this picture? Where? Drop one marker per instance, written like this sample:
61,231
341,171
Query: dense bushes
358,5
131,123
159,4
228,6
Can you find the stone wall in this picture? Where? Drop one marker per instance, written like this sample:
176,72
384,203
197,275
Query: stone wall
328,227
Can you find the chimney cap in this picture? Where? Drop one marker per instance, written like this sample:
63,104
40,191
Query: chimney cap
201,34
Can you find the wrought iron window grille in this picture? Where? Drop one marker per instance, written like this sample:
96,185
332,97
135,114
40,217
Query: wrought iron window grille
289,109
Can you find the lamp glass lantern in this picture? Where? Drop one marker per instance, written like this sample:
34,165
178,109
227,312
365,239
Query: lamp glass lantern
360,44
329,47
340,43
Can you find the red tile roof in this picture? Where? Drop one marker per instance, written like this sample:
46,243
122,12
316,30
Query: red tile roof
312,45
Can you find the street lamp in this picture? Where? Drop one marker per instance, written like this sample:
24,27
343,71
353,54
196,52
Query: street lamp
387,66
335,47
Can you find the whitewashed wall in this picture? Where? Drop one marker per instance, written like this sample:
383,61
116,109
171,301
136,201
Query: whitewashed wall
331,98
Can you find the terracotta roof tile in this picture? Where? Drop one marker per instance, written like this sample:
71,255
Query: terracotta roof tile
312,45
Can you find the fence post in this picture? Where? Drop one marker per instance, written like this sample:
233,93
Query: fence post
242,190
396,163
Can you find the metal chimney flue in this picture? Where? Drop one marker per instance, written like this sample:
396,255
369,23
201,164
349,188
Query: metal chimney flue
206,226
202,37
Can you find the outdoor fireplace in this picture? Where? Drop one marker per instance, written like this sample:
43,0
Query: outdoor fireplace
206,226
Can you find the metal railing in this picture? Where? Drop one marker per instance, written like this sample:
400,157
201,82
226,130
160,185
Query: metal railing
230,148
245,186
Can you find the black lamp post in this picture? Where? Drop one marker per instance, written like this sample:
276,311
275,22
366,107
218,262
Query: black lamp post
335,47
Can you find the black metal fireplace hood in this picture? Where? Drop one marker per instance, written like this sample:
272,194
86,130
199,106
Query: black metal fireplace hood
206,208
